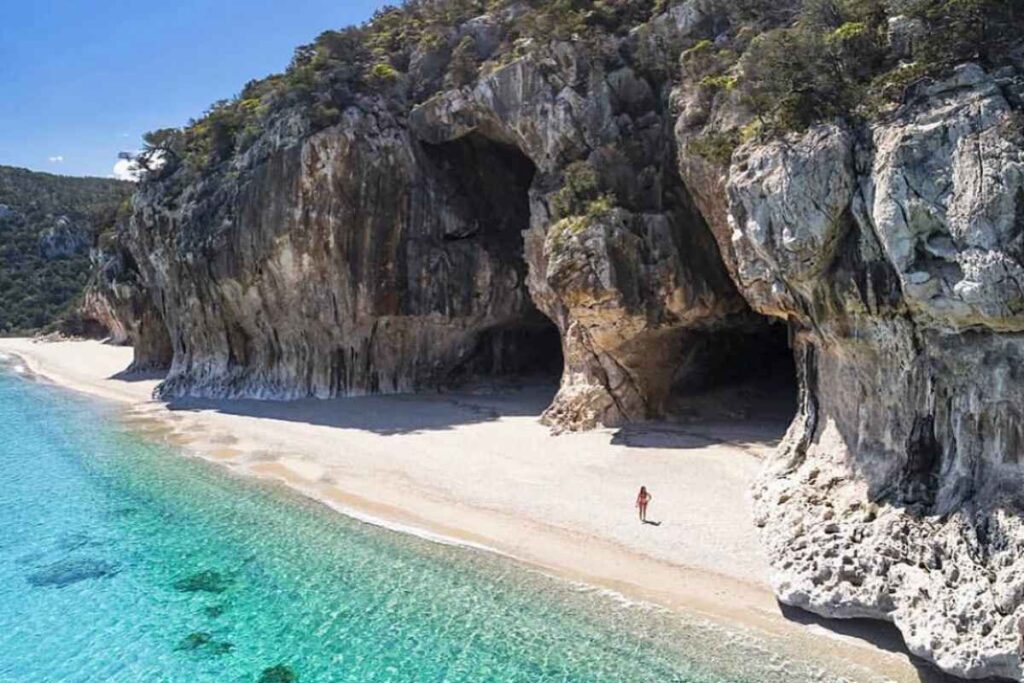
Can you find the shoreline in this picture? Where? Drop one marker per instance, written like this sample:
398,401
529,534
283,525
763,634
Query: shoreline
262,442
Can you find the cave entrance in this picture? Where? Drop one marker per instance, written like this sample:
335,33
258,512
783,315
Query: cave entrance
487,184
745,373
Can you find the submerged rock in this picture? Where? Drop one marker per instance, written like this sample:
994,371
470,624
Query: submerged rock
214,611
206,581
203,643
71,571
278,674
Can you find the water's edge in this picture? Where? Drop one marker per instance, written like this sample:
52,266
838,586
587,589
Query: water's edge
461,546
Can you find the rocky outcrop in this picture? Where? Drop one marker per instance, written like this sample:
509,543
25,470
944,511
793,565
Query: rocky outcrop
64,239
117,307
351,263
398,252
625,284
894,252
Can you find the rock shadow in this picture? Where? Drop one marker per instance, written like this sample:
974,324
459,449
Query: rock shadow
390,415
883,635
746,435
71,571
129,375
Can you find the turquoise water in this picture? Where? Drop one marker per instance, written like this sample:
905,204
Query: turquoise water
121,560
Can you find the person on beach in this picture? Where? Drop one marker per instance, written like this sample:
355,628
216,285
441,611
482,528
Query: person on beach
642,499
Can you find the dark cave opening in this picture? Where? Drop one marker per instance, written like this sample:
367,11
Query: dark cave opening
487,185
527,350
740,373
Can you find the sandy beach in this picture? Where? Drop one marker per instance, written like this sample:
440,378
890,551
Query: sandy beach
479,469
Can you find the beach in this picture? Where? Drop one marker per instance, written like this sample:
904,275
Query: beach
479,469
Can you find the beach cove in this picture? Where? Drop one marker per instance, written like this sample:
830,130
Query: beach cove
478,470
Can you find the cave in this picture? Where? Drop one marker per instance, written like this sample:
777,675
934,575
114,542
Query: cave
738,368
746,373
487,184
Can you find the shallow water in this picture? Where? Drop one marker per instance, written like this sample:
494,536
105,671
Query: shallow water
121,560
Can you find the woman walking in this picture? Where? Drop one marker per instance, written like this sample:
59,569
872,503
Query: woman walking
642,499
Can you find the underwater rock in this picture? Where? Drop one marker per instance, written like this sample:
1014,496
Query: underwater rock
278,674
203,643
214,611
71,571
206,581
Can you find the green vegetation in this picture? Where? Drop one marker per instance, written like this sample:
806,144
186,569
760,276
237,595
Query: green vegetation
579,203
581,193
327,75
792,62
47,225
798,63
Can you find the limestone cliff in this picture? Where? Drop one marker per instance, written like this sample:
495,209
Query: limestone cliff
894,252
497,198
405,249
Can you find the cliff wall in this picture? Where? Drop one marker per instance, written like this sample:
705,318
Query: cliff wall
893,249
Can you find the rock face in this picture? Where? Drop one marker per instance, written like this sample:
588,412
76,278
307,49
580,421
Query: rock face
396,253
626,286
895,252
354,262
117,306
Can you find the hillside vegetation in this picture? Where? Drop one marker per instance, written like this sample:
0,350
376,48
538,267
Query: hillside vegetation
791,62
48,224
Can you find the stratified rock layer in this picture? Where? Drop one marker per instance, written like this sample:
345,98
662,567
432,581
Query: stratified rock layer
896,254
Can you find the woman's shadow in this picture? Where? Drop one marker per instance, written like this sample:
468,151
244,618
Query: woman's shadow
647,521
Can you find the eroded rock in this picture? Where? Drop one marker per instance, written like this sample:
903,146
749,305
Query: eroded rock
897,492
387,254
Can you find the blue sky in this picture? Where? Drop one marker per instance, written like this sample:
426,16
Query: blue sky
81,80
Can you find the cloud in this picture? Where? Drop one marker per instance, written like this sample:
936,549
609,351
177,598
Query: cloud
57,159
125,169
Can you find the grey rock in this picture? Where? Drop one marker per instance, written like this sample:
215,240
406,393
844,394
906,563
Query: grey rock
64,238
896,494
904,34
391,255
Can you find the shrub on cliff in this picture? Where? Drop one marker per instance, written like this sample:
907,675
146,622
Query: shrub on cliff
797,63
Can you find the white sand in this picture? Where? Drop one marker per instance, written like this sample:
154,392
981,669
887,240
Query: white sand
482,470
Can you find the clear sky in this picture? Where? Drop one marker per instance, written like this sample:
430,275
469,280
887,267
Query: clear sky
81,80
